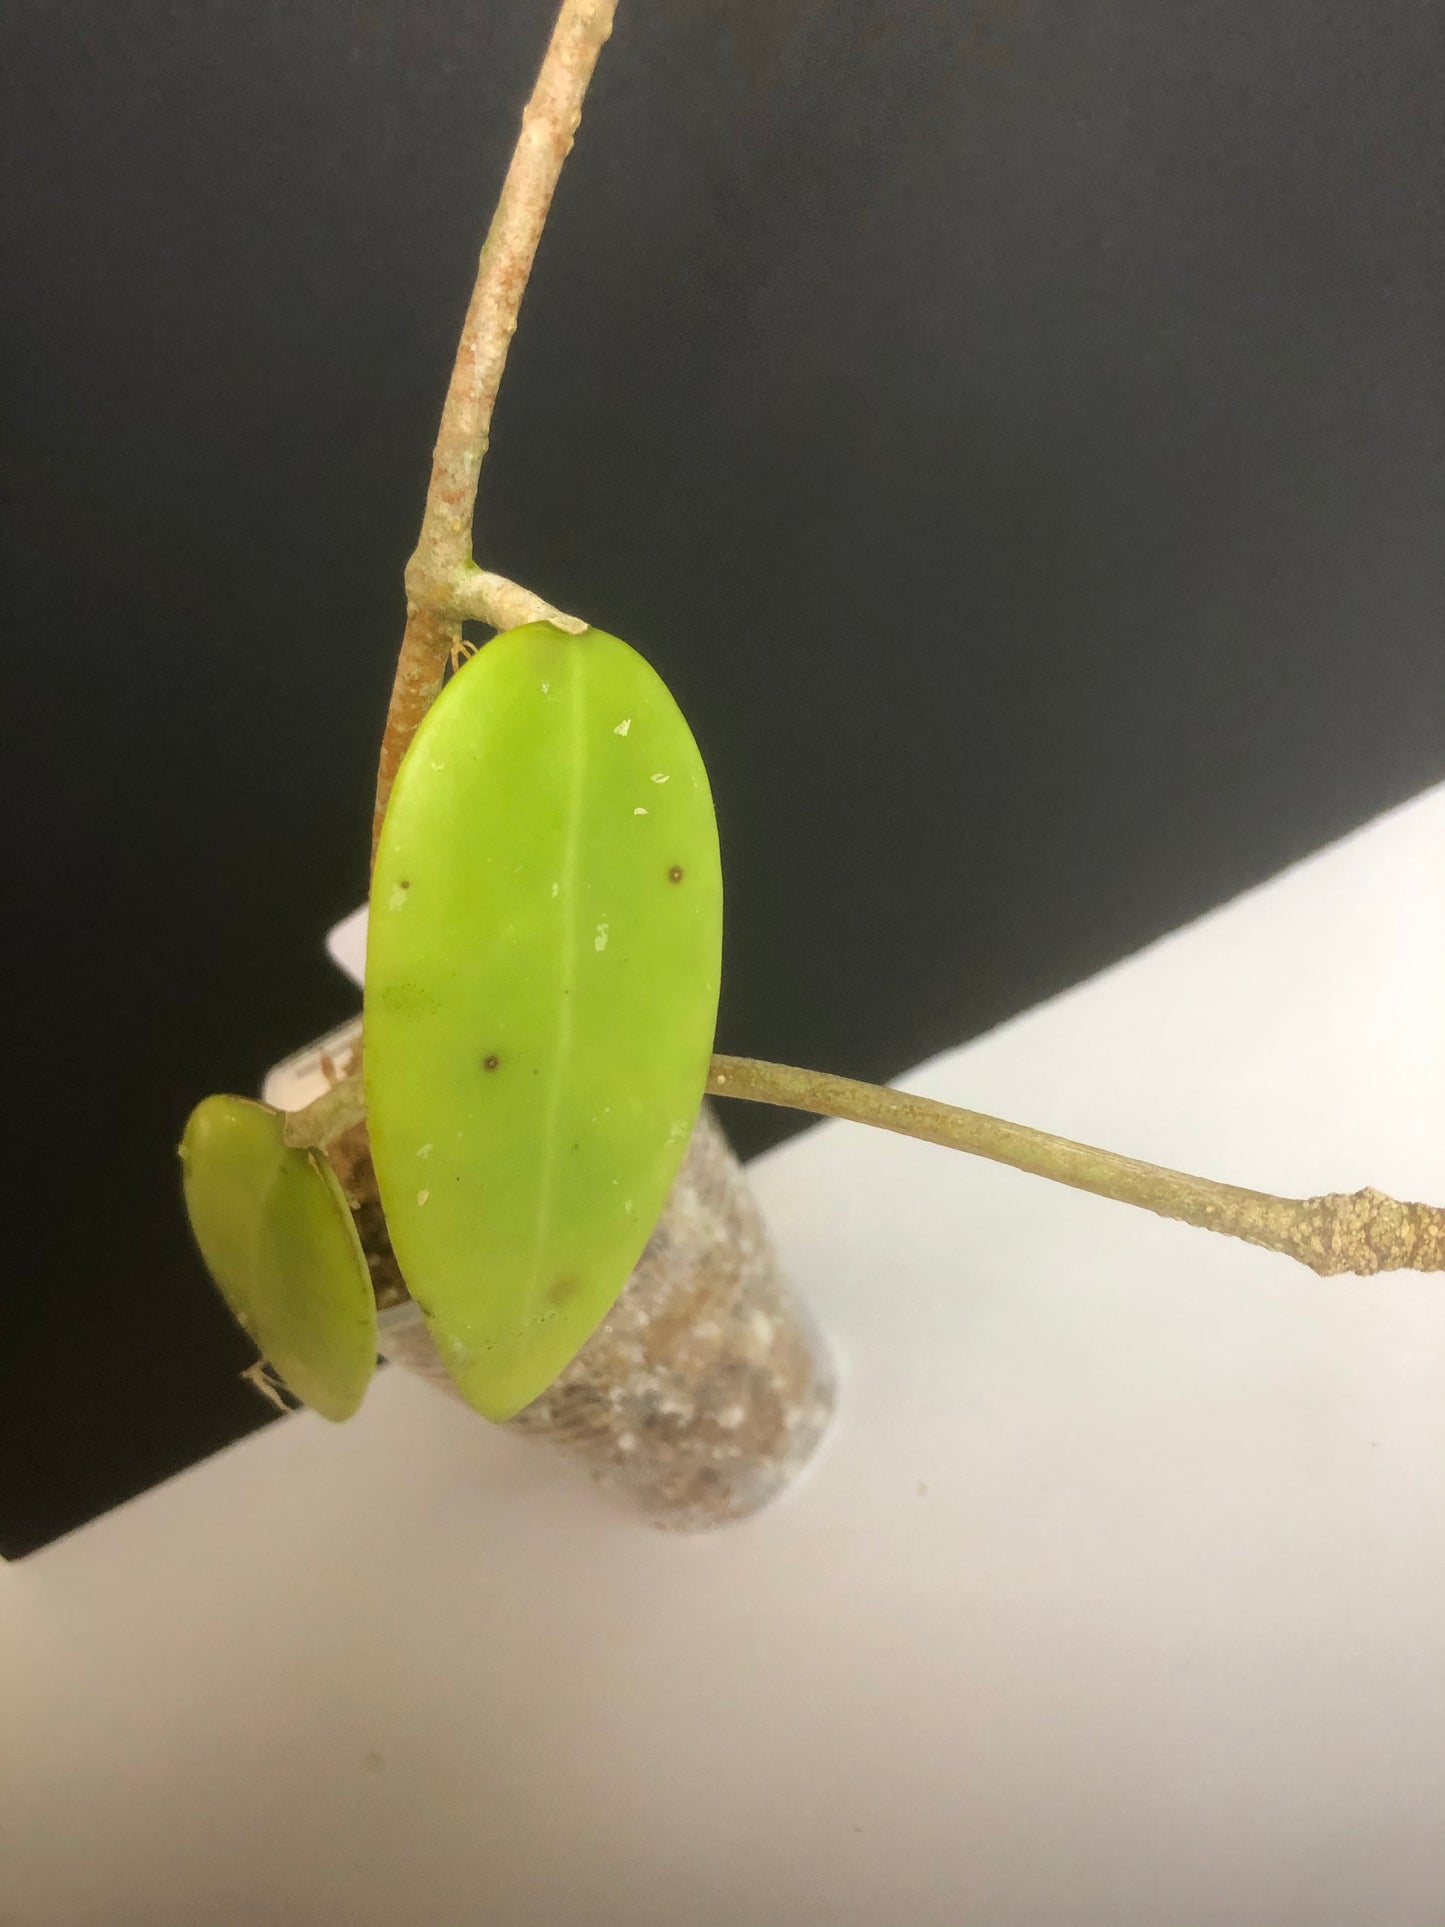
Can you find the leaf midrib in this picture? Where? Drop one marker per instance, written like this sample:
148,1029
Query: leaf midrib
568,904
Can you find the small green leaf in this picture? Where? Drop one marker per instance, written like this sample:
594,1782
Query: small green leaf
278,1239
541,994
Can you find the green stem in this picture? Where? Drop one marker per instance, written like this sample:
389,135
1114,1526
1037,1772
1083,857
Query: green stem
1359,1231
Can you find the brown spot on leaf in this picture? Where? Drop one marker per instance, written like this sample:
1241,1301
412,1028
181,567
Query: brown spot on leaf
491,1063
674,875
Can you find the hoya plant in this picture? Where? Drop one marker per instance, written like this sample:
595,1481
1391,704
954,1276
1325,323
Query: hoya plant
542,972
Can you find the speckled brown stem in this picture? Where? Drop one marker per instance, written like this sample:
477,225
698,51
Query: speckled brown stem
426,648
443,585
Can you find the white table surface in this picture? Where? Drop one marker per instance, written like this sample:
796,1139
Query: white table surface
1118,1595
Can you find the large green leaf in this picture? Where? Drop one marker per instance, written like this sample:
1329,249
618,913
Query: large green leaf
541,993
277,1237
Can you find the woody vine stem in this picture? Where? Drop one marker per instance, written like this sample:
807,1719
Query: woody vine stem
1362,1232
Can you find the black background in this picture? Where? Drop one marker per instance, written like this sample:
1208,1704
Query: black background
1013,429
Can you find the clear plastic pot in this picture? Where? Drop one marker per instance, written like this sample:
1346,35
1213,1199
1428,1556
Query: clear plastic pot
706,1388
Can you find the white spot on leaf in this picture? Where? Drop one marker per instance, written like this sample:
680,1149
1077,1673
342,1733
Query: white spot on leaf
424,1151
599,942
623,727
639,812
397,897
422,1196
660,777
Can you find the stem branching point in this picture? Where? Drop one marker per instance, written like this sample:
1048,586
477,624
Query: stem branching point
444,586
